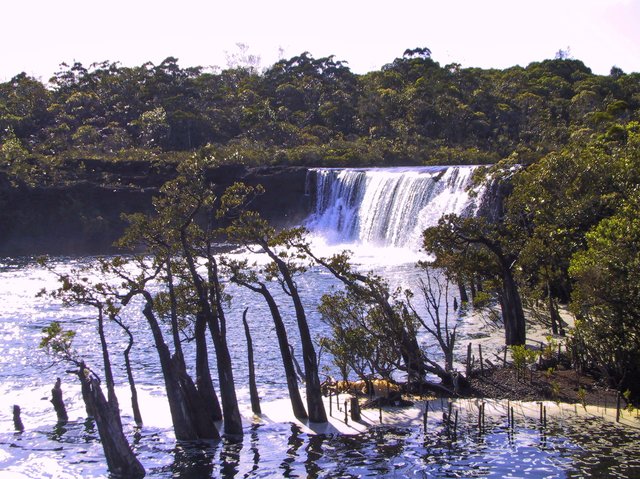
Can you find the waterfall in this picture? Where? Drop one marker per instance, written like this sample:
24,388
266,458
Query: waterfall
387,206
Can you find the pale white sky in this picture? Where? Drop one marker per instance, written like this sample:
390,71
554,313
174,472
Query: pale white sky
37,35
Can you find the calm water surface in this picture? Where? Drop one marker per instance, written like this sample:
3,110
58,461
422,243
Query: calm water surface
566,448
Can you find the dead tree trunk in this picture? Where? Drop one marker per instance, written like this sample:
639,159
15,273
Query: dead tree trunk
58,402
253,388
121,460
17,421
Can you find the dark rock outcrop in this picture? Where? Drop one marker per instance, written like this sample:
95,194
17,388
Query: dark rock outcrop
82,214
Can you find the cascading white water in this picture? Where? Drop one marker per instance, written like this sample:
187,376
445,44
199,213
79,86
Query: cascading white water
388,206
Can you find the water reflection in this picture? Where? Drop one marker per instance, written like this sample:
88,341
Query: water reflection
58,431
255,449
230,458
193,460
563,449
295,442
314,455
500,451
90,431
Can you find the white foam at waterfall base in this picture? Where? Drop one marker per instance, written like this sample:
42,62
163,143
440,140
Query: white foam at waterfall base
387,207
366,255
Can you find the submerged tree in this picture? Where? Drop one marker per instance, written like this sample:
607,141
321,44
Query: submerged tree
247,276
182,238
58,342
374,329
192,416
249,229
357,343
386,315
78,290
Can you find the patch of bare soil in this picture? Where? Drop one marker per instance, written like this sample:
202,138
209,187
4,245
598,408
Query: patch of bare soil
562,385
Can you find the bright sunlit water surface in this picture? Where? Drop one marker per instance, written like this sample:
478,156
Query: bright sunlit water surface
569,447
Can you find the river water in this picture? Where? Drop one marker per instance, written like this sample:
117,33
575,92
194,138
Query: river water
565,448
568,447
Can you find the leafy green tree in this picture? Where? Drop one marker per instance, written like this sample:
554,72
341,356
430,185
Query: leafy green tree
456,239
305,91
606,298
154,129
15,157
411,111
24,108
180,235
558,199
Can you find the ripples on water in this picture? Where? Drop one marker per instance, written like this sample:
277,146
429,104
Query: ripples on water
282,450
566,448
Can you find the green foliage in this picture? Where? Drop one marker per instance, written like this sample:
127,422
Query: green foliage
559,199
628,397
360,338
550,349
582,396
482,299
315,111
57,341
523,358
154,128
15,159
606,293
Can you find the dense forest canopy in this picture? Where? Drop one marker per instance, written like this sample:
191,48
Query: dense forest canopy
308,111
